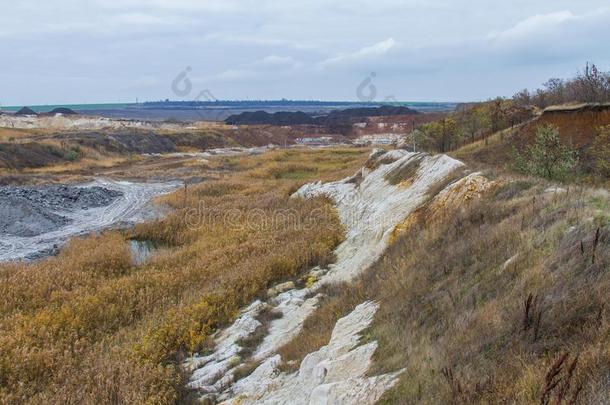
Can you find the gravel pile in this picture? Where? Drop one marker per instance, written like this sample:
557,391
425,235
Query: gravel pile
31,211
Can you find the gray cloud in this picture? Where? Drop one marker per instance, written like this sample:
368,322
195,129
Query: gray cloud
99,51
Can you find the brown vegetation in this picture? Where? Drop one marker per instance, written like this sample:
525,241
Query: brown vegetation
469,123
87,326
481,303
589,86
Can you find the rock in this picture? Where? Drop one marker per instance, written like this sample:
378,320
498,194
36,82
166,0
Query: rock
208,370
335,374
555,190
31,211
317,273
310,278
234,361
280,288
370,210
295,307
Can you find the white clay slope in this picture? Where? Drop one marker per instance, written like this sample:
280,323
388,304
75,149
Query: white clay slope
370,208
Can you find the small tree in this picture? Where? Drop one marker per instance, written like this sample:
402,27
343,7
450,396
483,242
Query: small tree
444,134
547,157
417,139
523,98
472,123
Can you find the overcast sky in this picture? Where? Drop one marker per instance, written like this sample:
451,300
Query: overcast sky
68,51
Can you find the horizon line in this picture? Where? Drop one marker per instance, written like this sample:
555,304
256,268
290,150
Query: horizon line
18,106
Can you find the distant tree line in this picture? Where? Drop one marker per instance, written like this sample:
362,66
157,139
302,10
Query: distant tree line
167,103
589,86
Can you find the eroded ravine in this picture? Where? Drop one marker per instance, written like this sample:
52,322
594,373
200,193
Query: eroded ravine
371,205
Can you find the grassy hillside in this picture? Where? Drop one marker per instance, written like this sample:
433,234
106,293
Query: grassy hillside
490,300
496,292
88,326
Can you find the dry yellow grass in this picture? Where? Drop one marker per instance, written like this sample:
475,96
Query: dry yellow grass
83,165
14,135
454,288
89,327
456,319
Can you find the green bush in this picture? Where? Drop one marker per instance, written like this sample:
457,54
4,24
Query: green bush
547,157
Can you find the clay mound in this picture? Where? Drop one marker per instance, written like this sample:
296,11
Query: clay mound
63,110
265,118
26,111
578,125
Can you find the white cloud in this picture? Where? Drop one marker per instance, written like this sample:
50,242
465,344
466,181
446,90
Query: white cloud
533,26
139,19
211,6
236,74
273,61
255,39
366,53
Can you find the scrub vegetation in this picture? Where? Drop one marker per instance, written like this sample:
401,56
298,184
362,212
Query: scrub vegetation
88,326
504,299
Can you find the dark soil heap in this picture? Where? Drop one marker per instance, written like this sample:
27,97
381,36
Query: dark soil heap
31,211
26,111
63,110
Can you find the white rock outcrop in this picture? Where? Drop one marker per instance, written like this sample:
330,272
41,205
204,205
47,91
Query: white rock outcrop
370,208
208,371
80,122
335,374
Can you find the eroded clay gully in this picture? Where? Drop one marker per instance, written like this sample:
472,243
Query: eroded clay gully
370,208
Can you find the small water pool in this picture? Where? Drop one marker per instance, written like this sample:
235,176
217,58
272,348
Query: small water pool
142,250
